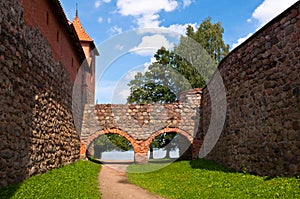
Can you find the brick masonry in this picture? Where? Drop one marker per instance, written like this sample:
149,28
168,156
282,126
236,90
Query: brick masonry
262,79
37,131
140,124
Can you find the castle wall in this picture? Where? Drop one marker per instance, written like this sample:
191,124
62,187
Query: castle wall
261,133
37,130
44,15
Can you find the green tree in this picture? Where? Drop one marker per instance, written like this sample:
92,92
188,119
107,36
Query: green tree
210,36
189,65
166,141
109,142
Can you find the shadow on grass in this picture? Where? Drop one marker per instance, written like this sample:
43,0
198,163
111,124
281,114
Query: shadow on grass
209,165
162,160
9,191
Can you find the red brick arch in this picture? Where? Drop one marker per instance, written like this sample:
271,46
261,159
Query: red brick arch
140,146
169,130
86,143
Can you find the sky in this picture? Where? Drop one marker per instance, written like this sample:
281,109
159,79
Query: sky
128,32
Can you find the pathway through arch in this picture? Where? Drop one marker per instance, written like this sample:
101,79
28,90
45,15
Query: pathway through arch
113,184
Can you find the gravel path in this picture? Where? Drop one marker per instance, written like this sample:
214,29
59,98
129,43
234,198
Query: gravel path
114,184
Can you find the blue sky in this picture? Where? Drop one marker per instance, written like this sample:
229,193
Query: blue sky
125,50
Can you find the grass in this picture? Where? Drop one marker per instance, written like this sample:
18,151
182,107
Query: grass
206,179
77,180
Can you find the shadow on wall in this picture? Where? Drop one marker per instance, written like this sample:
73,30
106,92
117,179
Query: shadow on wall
16,99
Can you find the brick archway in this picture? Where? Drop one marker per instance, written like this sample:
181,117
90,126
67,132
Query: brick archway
85,145
170,130
141,123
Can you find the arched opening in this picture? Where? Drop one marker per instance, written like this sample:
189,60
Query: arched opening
111,145
170,143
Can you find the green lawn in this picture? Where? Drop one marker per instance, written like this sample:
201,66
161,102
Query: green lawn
206,179
77,180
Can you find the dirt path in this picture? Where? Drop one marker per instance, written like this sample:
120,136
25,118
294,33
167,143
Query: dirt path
114,184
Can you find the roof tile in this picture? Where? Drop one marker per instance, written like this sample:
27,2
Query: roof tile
82,35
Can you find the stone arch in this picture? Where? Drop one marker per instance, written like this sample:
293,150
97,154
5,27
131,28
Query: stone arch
91,138
169,130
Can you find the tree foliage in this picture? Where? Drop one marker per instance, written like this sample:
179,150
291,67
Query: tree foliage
189,65
166,141
109,142
210,36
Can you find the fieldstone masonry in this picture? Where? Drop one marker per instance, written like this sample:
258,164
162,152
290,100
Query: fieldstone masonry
262,78
140,124
37,131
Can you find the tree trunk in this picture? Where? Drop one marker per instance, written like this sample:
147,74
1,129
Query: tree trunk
168,152
151,153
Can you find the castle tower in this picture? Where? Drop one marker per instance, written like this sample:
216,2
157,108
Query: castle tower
90,52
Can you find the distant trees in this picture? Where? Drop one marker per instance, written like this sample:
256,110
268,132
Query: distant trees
190,65
109,142
163,141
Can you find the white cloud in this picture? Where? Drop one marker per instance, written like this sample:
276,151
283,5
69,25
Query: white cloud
174,30
100,19
97,4
270,9
119,47
264,13
150,44
130,75
187,3
181,28
145,11
123,94
116,30
109,20
148,21
143,7
241,40
143,68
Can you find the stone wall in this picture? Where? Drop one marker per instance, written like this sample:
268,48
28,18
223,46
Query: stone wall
36,123
143,120
139,121
140,124
261,133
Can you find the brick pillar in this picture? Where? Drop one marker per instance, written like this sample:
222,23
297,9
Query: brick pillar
196,146
82,151
141,151
141,158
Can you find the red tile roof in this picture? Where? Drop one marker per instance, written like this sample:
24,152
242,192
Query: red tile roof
82,35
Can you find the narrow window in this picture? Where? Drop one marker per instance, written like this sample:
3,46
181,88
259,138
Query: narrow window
57,36
47,18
